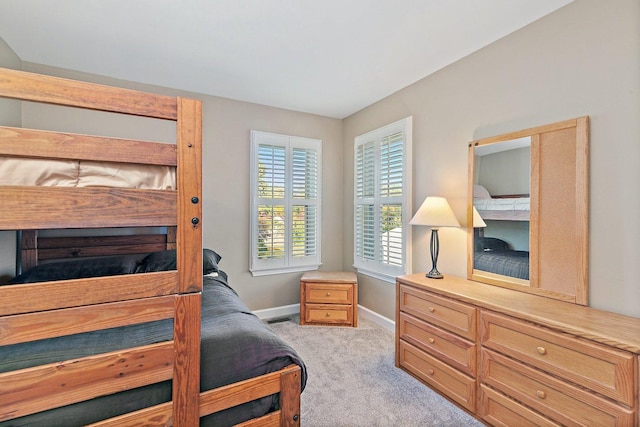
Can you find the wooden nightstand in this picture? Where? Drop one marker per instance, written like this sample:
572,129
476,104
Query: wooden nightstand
329,299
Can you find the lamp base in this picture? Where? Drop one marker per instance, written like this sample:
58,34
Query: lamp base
434,274
435,248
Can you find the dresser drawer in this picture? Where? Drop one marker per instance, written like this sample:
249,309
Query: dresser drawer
559,400
328,314
453,316
450,348
454,384
602,369
500,411
328,294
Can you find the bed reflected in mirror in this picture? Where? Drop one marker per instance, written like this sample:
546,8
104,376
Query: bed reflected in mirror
501,199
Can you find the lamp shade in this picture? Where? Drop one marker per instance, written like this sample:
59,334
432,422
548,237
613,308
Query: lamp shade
435,212
478,222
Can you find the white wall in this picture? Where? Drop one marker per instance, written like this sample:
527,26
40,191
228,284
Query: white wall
583,59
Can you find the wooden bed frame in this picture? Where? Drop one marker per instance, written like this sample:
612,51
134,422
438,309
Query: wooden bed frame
50,309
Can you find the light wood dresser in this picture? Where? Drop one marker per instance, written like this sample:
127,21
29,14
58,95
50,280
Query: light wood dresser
329,298
517,359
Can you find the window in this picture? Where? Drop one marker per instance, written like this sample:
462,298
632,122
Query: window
285,208
382,178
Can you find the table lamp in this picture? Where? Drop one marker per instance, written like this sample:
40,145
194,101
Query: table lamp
435,212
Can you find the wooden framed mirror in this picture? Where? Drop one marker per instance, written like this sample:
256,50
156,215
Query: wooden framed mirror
528,210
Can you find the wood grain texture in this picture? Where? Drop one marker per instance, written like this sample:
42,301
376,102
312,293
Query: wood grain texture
612,329
55,90
47,324
50,207
559,212
186,367
32,297
28,391
154,416
600,368
189,256
32,143
558,400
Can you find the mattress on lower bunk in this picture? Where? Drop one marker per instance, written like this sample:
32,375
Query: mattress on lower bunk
506,263
76,173
236,345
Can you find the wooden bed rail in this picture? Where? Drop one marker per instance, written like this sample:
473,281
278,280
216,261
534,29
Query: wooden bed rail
54,90
286,382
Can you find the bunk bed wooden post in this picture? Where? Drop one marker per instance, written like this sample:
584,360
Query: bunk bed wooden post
186,383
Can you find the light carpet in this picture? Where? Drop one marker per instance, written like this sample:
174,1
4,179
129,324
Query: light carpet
353,380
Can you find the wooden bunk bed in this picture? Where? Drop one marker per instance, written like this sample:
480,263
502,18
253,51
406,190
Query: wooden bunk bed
50,310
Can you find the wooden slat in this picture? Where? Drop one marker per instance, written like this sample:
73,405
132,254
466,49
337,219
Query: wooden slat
186,374
58,145
57,323
82,252
93,241
272,419
154,416
58,207
18,299
189,258
234,394
32,390
226,397
55,90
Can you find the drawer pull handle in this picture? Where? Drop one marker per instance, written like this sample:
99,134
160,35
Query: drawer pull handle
431,340
431,372
541,394
328,315
328,294
431,309
541,350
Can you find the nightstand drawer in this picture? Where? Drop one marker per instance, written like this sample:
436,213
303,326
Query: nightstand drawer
597,367
450,348
450,382
453,316
500,411
333,294
561,401
326,313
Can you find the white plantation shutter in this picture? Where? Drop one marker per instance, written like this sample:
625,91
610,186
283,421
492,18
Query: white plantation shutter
285,188
304,236
381,204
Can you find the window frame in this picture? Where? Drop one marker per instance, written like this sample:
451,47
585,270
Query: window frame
289,263
376,268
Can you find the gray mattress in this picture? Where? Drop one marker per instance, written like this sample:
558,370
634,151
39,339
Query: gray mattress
236,345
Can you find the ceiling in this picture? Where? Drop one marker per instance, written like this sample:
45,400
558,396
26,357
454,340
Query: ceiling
327,57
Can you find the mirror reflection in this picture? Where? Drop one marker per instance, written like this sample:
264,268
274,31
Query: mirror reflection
501,201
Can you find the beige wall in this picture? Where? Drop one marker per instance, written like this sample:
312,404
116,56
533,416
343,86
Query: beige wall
584,59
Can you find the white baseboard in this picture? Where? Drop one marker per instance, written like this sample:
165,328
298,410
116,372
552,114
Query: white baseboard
379,319
274,313
287,310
